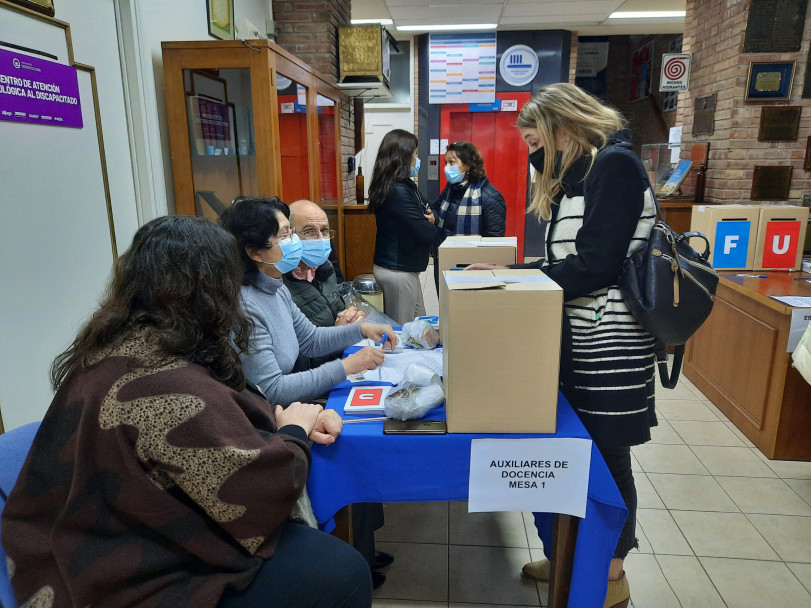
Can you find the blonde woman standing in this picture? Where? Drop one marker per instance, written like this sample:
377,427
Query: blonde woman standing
594,191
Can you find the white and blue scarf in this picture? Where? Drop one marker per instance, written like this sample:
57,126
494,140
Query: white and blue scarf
468,214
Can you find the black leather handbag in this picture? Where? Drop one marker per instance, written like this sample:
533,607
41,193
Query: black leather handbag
670,289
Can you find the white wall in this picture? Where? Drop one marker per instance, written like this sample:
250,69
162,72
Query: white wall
55,246
147,24
379,119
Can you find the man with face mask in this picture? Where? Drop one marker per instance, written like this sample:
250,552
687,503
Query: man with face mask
314,288
313,283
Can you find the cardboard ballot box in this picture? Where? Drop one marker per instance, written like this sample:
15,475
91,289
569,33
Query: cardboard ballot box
781,237
501,350
459,251
731,231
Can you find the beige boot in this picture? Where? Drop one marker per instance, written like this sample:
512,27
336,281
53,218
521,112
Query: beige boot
619,593
538,570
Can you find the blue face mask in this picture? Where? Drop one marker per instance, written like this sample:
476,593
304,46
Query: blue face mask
291,254
315,251
453,175
415,170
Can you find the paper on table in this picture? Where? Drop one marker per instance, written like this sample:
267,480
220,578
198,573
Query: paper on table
395,365
798,301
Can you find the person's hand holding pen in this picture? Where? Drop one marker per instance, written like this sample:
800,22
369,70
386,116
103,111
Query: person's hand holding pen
376,332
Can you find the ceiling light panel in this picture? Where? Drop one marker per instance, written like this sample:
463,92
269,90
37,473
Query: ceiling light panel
574,8
408,16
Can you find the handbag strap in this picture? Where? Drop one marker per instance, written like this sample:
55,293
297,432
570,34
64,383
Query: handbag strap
671,378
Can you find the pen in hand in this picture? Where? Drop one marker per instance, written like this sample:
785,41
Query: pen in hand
383,340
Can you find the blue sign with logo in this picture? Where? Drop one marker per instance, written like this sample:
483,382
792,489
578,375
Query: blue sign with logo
519,65
731,244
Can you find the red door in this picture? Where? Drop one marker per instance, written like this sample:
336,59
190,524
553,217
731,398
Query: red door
503,151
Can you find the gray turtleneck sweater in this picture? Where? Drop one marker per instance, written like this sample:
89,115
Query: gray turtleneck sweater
280,333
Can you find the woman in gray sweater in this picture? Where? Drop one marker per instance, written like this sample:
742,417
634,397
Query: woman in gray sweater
281,332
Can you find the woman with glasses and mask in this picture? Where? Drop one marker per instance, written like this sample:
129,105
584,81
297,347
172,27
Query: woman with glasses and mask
269,248
405,226
469,204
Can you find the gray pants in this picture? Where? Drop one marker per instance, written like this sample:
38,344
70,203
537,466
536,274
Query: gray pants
402,293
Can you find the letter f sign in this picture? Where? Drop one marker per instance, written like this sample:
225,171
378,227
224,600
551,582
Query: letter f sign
730,241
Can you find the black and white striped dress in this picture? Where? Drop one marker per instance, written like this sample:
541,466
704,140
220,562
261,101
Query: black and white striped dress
607,358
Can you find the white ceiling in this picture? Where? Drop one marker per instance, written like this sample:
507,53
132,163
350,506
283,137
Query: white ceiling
586,17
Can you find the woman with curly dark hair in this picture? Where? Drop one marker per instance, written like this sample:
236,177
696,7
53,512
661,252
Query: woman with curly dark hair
469,203
157,478
405,226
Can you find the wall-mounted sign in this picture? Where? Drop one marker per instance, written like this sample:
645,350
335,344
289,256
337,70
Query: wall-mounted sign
462,68
519,65
675,72
38,91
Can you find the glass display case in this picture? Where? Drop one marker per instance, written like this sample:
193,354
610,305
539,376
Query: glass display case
677,173
251,119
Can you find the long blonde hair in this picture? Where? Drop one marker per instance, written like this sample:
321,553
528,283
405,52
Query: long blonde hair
565,109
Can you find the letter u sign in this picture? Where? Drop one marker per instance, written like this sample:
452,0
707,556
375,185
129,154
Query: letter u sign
780,244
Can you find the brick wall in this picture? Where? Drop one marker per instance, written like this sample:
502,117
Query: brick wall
309,30
650,124
714,33
573,59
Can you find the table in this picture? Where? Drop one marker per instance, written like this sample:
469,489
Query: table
365,465
738,359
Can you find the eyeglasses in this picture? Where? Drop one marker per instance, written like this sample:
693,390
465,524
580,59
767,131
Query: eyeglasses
280,237
324,233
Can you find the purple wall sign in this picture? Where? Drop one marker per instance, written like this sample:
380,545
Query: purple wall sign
38,91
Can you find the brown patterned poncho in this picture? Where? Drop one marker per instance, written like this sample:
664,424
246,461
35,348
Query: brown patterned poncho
149,485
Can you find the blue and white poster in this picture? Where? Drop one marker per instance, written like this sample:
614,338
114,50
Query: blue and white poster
462,68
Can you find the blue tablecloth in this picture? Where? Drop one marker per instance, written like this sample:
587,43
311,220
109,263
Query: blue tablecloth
365,465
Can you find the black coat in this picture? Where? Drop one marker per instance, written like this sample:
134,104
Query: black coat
494,210
404,235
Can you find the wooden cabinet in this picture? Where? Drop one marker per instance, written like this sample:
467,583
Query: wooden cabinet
248,118
738,359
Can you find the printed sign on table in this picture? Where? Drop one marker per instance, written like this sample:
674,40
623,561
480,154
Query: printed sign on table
38,91
548,475
780,245
731,246
366,400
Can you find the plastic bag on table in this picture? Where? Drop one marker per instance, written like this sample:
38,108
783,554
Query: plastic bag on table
419,334
419,392
352,297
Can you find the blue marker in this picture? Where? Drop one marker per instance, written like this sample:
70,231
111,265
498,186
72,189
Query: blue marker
383,340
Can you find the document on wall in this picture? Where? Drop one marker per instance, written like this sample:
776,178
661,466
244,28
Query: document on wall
463,68
549,475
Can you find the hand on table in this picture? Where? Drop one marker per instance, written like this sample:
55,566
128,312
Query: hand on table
375,333
368,357
300,414
328,426
350,315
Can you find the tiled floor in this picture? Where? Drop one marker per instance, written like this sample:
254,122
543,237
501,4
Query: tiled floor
719,525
